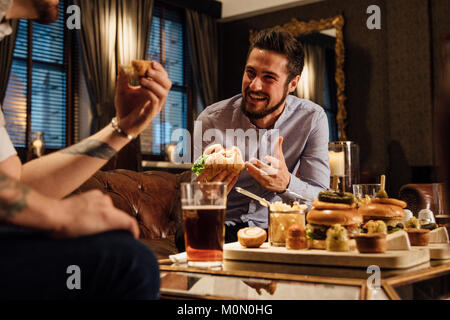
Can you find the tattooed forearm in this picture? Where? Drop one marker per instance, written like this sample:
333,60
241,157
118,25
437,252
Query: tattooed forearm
91,148
13,197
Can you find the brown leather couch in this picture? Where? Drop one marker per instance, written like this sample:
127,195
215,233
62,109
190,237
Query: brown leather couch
431,196
424,196
151,197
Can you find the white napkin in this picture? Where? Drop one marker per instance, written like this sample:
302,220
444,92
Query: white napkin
179,258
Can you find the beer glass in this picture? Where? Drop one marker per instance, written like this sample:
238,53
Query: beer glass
203,206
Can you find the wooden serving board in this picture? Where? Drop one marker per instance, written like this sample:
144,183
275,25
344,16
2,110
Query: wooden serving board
396,259
439,251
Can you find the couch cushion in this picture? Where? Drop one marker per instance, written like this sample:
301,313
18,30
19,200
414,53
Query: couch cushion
152,197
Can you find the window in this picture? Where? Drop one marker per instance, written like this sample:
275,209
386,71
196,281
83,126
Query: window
36,96
167,46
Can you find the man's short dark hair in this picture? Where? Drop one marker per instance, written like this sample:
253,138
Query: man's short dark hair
280,41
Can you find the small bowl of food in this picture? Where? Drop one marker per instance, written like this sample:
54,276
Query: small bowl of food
371,242
418,237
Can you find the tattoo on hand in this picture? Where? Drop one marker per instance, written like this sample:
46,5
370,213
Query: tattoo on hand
13,197
91,148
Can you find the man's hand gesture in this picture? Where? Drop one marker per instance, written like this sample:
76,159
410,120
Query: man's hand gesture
273,176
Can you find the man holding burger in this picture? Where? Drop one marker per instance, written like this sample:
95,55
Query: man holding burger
297,128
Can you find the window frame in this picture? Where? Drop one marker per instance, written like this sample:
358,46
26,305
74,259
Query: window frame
70,66
187,76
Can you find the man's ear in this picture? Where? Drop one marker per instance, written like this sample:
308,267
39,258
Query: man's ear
293,84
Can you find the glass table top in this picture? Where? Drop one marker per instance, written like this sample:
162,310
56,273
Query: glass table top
269,281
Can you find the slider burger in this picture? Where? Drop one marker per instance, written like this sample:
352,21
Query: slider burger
136,70
330,209
217,159
386,209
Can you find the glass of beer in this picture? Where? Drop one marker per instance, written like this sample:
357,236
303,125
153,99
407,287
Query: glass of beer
203,206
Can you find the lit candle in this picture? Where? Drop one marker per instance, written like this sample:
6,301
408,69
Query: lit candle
337,163
37,145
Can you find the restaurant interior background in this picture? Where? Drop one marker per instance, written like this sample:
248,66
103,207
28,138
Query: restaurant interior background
391,78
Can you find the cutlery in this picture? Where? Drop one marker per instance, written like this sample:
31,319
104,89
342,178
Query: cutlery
262,201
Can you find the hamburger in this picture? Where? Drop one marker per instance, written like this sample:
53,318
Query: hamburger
330,209
136,70
388,210
217,159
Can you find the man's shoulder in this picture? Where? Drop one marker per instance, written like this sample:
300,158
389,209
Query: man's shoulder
307,106
224,106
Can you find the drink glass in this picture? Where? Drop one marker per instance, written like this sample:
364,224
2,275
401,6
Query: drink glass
279,223
361,190
203,206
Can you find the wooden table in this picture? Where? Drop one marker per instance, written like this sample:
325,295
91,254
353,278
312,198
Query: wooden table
267,281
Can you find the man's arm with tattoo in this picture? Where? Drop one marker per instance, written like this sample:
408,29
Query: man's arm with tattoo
13,197
60,173
85,214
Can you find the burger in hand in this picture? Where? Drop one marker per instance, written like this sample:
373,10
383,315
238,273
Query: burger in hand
217,159
330,209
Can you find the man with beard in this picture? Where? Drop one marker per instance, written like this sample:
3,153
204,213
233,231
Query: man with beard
296,128
80,247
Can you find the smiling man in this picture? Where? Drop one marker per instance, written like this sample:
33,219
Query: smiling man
286,138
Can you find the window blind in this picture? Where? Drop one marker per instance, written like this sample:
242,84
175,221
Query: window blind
47,85
166,45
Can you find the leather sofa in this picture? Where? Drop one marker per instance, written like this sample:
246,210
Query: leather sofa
152,197
424,196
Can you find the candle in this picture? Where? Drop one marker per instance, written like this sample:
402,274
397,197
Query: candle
37,146
337,163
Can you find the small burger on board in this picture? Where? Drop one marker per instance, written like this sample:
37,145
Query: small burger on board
389,210
332,208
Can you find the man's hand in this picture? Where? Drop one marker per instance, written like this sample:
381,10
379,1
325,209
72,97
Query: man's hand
136,107
274,176
91,213
229,178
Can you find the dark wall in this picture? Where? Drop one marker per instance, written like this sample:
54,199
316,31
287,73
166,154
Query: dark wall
390,76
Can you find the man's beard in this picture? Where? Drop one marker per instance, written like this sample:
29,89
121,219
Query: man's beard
266,111
47,13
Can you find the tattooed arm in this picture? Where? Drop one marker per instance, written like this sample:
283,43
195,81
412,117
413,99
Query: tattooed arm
58,174
88,213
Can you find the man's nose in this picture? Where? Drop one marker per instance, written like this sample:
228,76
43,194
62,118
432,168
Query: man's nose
256,84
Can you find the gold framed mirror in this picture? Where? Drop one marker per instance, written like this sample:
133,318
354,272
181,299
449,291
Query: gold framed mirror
302,28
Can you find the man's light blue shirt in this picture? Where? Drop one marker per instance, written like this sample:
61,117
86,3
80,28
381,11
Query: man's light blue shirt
304,126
